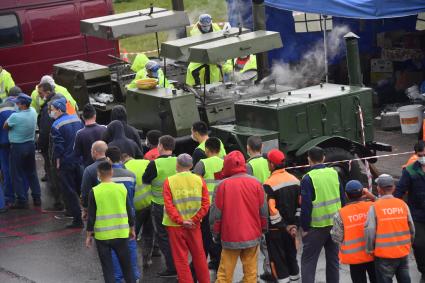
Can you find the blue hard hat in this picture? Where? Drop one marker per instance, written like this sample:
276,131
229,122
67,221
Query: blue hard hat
22,98
205,20
152,66
60,104
354,187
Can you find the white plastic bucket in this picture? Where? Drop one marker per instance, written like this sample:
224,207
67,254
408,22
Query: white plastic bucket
410,118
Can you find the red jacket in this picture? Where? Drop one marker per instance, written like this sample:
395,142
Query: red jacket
152,154
239,210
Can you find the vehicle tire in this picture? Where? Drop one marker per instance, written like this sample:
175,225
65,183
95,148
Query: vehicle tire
344,171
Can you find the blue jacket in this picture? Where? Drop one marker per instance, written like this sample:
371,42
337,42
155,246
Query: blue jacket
412,181
125,177
308,196
6,109
63,132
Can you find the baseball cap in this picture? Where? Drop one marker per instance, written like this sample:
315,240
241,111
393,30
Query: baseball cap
60,104
275,156
15,91
384,181
354,187
185,160
22,98
205,20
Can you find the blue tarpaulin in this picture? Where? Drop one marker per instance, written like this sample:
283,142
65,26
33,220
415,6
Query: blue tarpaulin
297,43
360,9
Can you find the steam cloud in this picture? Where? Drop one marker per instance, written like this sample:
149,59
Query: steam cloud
311,69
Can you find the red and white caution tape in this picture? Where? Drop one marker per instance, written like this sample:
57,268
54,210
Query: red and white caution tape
366,163
355,159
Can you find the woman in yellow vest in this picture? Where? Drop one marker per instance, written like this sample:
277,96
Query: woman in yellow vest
111,222
186,202
151,70
196,72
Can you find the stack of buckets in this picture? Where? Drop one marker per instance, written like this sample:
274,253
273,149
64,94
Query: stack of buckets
411,118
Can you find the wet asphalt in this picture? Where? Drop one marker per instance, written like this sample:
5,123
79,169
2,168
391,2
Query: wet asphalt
36,247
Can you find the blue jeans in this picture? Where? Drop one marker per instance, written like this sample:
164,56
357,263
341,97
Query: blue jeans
23,167
386,268
119,277
9,195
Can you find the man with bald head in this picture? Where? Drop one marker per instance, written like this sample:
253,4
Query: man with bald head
98,153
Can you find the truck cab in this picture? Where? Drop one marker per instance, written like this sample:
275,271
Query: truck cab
36,34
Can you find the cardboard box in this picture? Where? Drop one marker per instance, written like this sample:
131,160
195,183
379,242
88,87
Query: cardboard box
379,65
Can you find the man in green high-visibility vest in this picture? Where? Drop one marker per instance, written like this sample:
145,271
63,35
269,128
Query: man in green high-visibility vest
258,167
200,135
207,168
322,195
111,222
142,204
155,174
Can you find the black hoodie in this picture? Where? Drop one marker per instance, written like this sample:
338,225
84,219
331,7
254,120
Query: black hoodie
119,140
119,113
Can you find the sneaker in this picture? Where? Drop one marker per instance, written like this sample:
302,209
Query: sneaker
37,202
63,216
75,225
267,277
53,209
19,205
147,262
167,274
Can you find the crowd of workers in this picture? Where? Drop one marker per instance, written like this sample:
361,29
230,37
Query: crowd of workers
208,203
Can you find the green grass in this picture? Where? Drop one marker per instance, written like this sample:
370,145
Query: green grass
216,8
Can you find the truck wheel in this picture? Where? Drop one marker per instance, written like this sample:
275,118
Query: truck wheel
343,168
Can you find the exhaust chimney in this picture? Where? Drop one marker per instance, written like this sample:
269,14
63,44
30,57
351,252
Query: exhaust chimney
259,19
178,5
355,76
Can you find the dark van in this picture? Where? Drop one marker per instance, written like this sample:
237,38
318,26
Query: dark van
36,34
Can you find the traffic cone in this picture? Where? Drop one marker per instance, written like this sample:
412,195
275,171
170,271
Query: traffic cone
124,55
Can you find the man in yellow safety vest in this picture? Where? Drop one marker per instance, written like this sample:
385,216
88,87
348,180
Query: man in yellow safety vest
111,222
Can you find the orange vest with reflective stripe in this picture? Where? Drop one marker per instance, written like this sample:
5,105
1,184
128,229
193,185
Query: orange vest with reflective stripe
69,108
279,179
411,160
353,249
393,238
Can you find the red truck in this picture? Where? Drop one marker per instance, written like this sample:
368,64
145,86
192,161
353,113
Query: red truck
36,34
